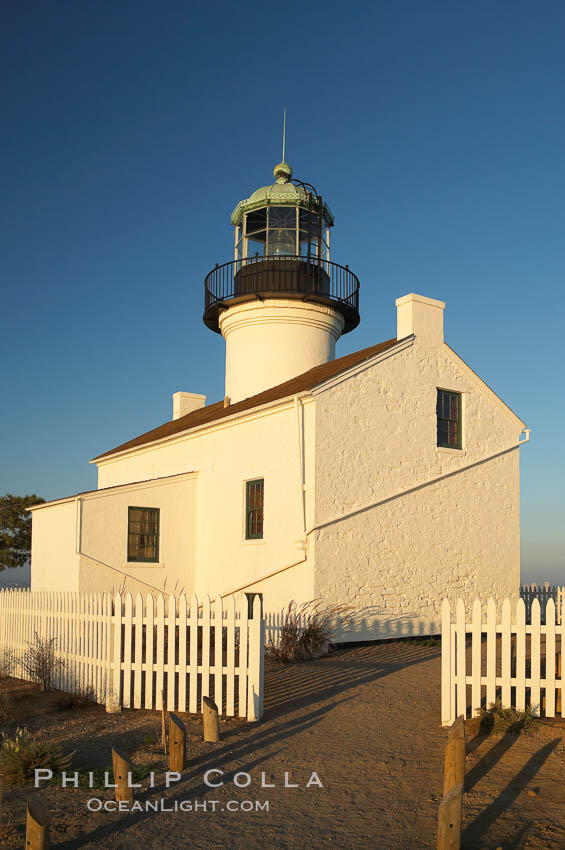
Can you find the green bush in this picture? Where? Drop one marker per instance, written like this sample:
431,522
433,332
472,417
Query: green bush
499,719
26,752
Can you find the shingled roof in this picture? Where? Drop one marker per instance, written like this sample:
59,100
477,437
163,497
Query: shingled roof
213,412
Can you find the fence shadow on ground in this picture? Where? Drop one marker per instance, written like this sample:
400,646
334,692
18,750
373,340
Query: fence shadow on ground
474,833
294,686
490,758
259,742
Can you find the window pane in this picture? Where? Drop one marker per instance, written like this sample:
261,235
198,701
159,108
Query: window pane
254,509
448,419
256,244
256,221
309,221
143,534
282,217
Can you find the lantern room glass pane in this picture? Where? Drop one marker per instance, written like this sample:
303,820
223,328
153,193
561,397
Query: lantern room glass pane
282,217
256,221
256,244
309,221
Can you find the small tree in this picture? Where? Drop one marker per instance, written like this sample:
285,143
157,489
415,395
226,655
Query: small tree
39,661
15,529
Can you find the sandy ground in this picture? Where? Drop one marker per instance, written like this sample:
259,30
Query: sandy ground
365,720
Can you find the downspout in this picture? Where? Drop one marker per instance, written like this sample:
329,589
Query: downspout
303,542
78,542
299,407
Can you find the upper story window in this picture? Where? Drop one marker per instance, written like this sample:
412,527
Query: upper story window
254,496
143,534
448,419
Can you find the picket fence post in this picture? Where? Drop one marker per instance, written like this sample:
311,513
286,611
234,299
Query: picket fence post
506,658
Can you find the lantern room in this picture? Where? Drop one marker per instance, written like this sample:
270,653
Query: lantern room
281,304
282,249
283,220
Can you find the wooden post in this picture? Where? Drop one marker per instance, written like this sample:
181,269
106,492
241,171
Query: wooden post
450,819
37,825
210,718
457,729
177,743
122,766
454,770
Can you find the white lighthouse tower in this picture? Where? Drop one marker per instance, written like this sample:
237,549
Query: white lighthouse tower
281,304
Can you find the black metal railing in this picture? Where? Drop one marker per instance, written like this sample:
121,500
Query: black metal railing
312,279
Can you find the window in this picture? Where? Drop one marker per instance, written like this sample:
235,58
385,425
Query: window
254,493
143,534
250,601
448,419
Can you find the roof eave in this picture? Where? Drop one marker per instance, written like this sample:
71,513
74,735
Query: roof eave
240,414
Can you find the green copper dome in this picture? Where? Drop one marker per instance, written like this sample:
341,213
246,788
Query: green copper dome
281,193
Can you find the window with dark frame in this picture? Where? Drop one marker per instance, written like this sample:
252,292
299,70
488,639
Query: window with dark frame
448,419
254,494
143,535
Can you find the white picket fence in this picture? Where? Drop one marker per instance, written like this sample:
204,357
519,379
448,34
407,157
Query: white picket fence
543,593
146,653
507,658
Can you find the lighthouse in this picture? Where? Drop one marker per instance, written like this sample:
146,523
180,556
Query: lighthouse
281,304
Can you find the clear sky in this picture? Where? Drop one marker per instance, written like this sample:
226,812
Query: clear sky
434,130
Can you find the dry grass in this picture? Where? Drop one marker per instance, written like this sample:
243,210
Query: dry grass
307,631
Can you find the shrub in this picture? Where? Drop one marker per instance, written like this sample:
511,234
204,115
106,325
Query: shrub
39,661
6,663
307,631
498,719
6,705
77,699
25,752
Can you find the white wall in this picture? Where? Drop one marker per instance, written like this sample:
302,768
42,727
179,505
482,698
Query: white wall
81,544
54,559
103,562
460,537
262,445
269,342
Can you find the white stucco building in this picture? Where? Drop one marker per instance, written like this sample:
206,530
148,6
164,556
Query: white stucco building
384,480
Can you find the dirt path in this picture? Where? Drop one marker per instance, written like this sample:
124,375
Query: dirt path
365,720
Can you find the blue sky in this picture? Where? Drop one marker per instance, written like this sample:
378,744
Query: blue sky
435,131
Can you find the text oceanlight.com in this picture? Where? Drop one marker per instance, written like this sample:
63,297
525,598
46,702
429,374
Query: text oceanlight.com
95,804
